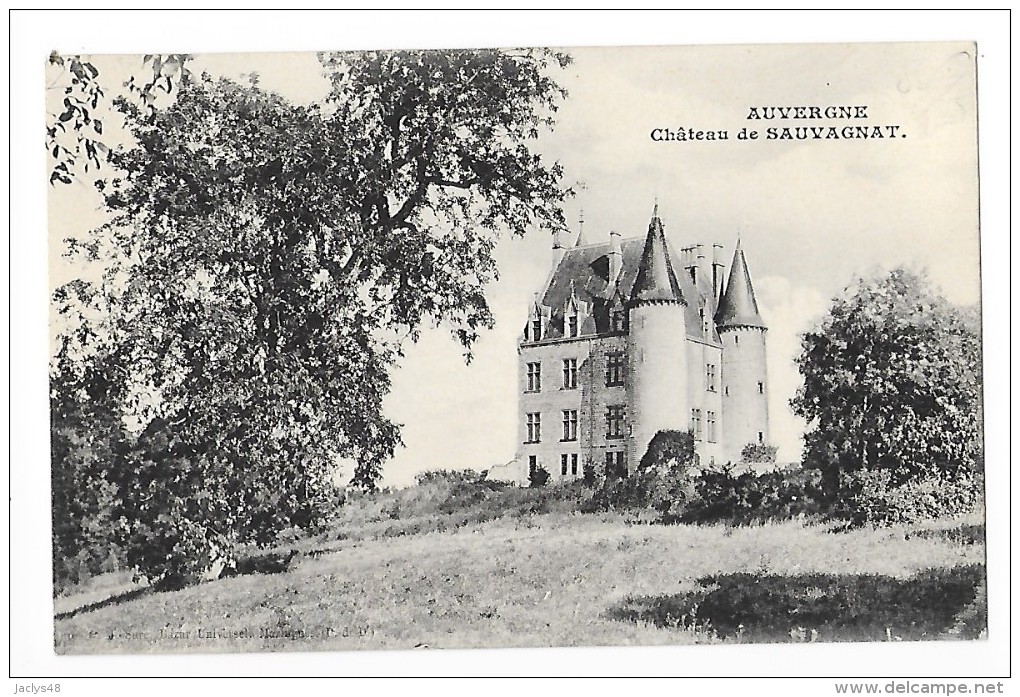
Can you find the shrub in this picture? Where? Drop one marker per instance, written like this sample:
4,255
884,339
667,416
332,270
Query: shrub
872,497
621,494
447,476
667,448
758,453
538,477
662,481
745,498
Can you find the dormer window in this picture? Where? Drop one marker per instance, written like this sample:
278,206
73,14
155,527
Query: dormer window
536,329
619,320
572,325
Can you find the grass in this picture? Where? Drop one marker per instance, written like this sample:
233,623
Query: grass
508,567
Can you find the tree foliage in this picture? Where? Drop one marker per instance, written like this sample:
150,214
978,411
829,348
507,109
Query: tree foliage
668,448
75,132
267,259
892,383
668,466
87,437
538,477
758,453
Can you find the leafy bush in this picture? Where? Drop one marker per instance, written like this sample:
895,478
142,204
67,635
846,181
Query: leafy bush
745,498
872,497
758,453
538,477
668,448
662,481
447,476
629,493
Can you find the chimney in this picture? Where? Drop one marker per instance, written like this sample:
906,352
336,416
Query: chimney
615,256
687,258
717,270
704,273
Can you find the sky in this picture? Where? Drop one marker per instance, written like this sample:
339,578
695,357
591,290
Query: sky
811,214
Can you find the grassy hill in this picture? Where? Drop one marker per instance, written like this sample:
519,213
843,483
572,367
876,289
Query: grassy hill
444,565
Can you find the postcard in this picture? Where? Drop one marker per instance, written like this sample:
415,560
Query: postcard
523,347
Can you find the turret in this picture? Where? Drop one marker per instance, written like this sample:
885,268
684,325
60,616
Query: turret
581,239
744,376
656,343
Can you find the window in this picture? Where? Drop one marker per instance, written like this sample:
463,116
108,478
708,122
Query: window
696,423
726,390
761,437
615,369
736,339
569,373
534,428
534,377
619,320
569,424
532,466
761,388
710,377
536,329
614,421
616,464
710,426
568,464
572,325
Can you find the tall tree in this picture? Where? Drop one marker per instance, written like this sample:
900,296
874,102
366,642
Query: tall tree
270,259
892,383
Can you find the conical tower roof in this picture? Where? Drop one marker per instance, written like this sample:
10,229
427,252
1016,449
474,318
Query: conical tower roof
738,308
656,280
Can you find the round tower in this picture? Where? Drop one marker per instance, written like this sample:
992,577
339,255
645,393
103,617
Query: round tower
744,374
656,345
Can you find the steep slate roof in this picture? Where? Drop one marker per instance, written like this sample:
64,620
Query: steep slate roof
738,307
588,267
656,279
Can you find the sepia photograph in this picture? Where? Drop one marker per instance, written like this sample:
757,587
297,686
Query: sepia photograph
463,348
539,347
